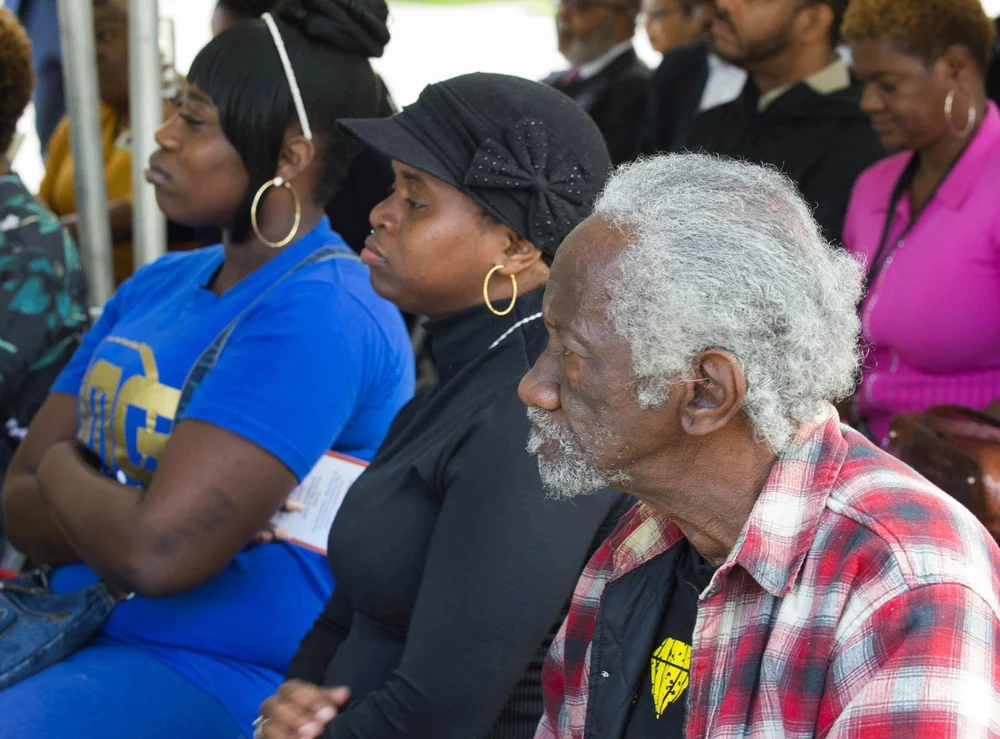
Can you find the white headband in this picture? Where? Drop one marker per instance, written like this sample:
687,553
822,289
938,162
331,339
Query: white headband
290,74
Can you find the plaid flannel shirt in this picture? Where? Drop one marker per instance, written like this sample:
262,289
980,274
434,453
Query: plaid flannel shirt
858,601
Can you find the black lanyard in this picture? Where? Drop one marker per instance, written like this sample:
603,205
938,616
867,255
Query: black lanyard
902,185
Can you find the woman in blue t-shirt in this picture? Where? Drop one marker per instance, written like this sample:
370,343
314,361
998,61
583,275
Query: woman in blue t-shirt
128,476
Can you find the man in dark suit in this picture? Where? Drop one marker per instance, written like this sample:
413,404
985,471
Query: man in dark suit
691,79
606,78
800,110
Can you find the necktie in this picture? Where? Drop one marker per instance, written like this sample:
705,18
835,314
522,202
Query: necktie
571,77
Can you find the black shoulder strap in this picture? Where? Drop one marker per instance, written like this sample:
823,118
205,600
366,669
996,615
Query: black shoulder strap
881,254
210,356
902,185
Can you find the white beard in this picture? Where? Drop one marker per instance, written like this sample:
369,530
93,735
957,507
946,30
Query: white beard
568,474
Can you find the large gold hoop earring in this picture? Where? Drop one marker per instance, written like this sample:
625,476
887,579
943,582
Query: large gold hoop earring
276,182
486,292
949,105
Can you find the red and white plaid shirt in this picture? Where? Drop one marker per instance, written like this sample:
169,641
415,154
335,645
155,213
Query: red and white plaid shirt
859,601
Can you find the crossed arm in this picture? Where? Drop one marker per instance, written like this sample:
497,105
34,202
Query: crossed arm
213,490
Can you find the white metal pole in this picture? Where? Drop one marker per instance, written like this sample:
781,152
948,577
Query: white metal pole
149,227
76,33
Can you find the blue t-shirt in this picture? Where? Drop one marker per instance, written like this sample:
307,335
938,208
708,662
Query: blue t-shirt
320,362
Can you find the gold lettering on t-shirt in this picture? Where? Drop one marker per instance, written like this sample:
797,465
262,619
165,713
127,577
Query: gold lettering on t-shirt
127,420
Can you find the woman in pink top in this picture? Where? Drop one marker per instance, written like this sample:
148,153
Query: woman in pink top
926,222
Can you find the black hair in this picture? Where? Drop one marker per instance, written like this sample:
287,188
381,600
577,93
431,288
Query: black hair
329,43
246,9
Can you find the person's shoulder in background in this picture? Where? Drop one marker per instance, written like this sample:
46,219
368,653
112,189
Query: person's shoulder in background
43,306
629,68
34,245
682,61
675,92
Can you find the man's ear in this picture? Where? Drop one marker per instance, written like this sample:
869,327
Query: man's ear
815,22
714,395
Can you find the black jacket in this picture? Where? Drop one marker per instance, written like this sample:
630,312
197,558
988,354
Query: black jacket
615,98
822,142
625,634
675,94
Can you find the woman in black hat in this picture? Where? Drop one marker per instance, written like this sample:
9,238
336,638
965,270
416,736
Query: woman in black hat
453,569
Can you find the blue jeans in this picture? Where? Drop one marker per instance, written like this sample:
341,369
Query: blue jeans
39,628
110,691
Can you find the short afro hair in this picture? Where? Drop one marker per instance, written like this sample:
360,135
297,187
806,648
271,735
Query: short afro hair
924,28
16,77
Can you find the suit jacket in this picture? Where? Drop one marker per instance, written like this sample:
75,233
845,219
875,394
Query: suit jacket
675,94
615,98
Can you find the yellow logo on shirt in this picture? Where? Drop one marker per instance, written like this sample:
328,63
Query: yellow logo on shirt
670,666
126,413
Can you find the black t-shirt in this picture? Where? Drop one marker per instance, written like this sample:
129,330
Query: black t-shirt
658,707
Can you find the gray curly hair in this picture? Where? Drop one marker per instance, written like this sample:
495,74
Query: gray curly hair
727,255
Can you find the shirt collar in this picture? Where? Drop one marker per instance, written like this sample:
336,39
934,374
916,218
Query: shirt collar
782,525
716,63
591,69
785,519
830,79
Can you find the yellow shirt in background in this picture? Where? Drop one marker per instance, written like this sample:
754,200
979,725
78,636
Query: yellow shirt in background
58,189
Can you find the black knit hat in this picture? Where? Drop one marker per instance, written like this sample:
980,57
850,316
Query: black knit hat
524,151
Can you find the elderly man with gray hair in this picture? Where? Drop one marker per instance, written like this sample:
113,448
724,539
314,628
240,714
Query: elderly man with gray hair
780,576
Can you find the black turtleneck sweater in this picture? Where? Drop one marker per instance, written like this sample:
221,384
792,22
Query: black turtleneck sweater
453,570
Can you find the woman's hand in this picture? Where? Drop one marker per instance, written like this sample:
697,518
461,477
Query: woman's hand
300,711
271,532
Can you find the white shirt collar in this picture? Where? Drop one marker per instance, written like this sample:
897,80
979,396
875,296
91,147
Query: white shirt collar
832,78
597,66
724,84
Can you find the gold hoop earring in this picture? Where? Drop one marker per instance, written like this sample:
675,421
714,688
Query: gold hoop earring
276,182
486,292
949,105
